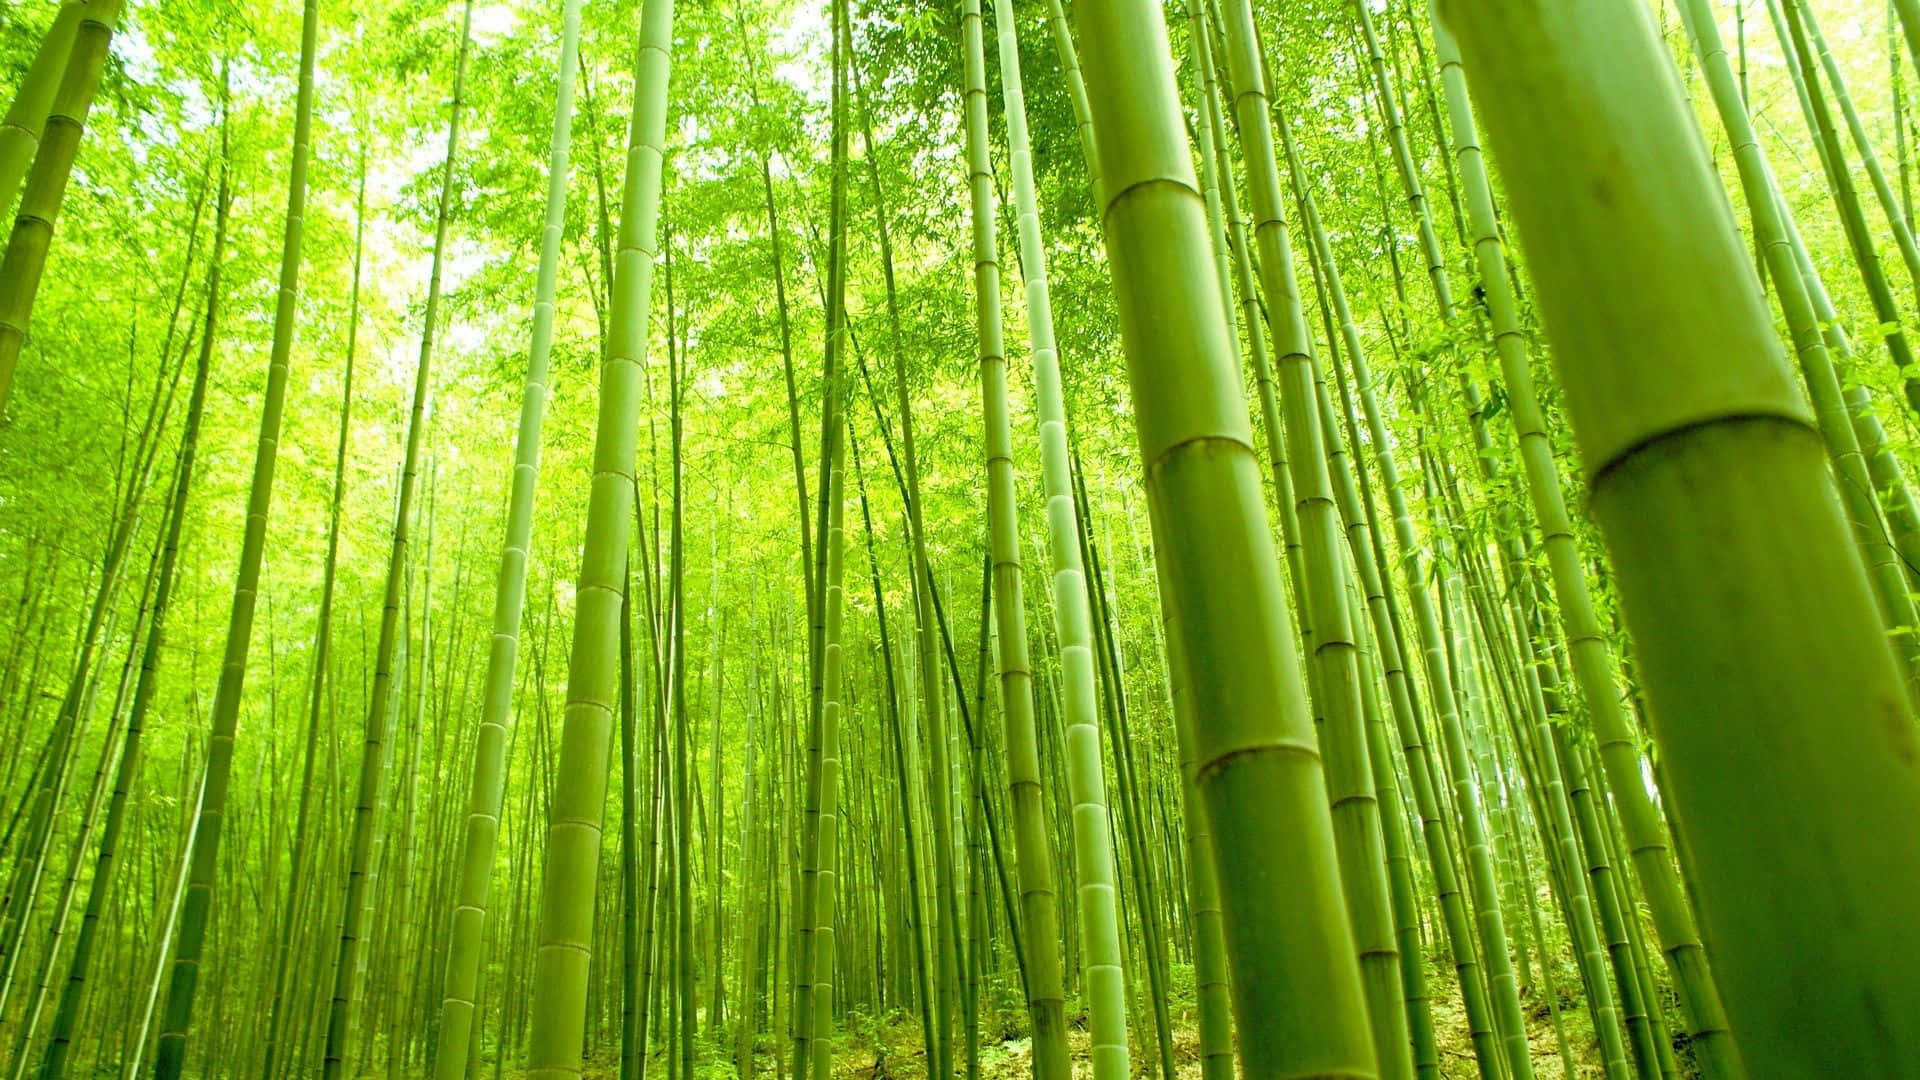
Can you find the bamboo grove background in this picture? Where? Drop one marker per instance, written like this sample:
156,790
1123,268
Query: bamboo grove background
754,538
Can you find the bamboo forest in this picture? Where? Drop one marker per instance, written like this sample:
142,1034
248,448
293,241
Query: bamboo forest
835,540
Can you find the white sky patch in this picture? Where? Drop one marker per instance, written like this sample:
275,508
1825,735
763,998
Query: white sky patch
493,22
804,41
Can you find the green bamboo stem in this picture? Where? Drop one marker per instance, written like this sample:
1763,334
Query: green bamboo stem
980,931
826,873
1527,650
913,902
758,861
166,924
1144,842
833,426
1836,427
1392,653
1613,841
1897,221
1069,57
1405,895
1709,483
1549,981
26,116
196,900
631,848
949,939
1093,855
1212,1000
1262,356
989,815
1033,851
1215,172
1476,700
1908,12
685,1007
1789,28
926,628
1335,654
30,241
301,855
66,1014
658,811
558,1007
1896,501
1591,658
1502,984
1362,543
1295,979
1481,653
1418,755
42,804
73,991
374,749
465,944
1889,479
1607,898
784,322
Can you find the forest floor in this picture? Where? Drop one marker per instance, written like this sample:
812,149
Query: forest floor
890,1049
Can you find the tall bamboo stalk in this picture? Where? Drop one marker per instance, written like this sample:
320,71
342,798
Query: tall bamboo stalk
197,900
1033,851
301,855
374,748
72,995
1591,659
1295,974
465,946
1094,875
26,117
559,1005
824,622
1775,701
25,259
